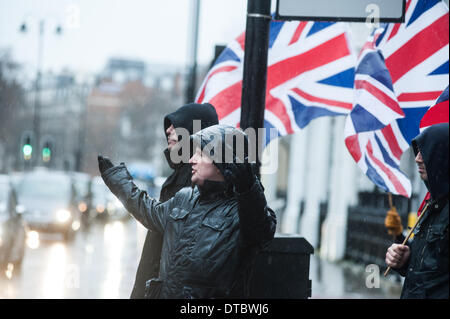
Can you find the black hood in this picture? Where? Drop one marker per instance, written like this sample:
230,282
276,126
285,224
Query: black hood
433,145
185,115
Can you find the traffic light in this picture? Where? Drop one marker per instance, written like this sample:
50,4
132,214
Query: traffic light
47,151
46,154
27,149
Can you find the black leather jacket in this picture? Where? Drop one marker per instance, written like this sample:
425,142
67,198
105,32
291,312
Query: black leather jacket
211,235
427,274
427,271
181,177
148,267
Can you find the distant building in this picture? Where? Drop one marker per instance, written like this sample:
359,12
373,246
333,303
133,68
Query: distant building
125,112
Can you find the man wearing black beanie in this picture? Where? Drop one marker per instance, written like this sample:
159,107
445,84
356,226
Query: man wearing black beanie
184,118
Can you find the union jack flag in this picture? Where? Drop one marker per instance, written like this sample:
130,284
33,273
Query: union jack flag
438,113
310,74
401,71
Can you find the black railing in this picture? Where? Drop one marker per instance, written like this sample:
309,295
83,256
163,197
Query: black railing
367,237
323,209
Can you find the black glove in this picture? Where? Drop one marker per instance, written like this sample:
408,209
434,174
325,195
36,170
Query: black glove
241,175
104,163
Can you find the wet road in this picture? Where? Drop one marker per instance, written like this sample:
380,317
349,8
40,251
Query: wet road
100,262
349,280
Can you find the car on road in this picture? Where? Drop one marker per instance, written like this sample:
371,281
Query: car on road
50,202
12,227
100,198
104,204
83,196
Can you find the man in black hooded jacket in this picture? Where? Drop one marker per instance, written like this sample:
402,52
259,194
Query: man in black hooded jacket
425,261
183,117
213,232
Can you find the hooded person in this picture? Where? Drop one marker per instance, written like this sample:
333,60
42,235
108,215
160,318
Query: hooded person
424,261
212,231
183,118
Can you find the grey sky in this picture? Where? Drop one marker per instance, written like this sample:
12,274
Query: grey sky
152,30
156,31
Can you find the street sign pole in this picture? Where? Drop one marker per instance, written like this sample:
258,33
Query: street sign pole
255,67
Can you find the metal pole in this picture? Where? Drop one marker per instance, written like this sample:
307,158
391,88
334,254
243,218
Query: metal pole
37,102
192,76
80,151
255,67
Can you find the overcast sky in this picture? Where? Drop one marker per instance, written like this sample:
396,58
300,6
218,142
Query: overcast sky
156,31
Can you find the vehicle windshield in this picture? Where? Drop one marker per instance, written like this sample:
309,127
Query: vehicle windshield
44,188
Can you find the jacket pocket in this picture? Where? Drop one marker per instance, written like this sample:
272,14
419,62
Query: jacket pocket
213,237
176,221
178,213
432,253
215,223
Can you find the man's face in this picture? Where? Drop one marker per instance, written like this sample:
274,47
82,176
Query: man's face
421,167
203,169
172,137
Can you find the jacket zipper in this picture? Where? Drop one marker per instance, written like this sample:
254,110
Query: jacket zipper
421,256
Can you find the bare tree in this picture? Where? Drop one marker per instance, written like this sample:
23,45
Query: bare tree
12,99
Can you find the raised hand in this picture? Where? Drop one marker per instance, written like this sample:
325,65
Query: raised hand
241,175
104,163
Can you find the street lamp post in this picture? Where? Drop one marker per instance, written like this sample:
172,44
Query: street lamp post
37,84
192,73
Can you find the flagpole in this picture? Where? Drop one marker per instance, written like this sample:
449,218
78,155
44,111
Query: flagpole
255,68
409,234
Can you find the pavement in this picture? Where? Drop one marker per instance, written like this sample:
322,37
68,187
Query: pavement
350,280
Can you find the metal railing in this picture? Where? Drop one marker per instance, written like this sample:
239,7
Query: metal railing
367,238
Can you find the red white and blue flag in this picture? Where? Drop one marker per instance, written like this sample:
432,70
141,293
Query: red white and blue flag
310,74
401,71
438,113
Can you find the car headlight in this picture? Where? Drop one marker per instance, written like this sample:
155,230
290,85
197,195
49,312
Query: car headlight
63,215
82,207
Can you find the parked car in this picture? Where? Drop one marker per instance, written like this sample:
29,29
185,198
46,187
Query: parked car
105,205
12,226
50,203
101,196
83,197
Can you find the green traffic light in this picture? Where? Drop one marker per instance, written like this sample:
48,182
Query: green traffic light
27,151
46,154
